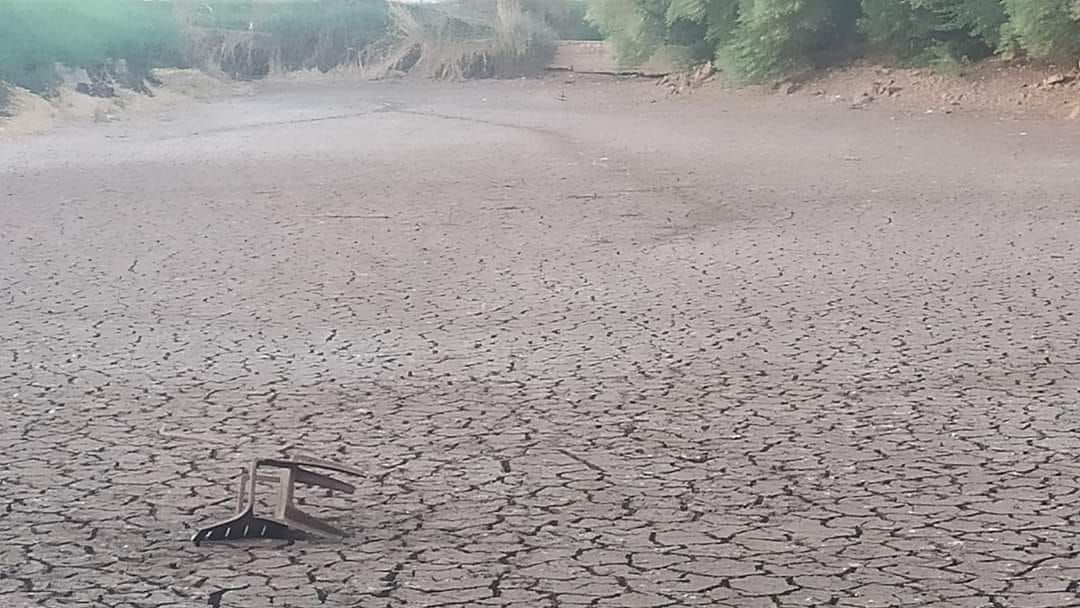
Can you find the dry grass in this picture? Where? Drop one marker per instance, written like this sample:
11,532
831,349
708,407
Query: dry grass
274,38
455,41
242,55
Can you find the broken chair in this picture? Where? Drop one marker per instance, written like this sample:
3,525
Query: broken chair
288,521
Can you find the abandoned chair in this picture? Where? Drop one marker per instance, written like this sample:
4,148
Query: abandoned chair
288,521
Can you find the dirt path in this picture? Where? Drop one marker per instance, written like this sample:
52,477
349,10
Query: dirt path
594,350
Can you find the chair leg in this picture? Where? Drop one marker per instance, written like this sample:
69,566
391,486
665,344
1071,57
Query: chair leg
309,523
288,513
284,494
242,491
309,478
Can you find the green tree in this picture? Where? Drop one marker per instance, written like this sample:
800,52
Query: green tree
773,36
1048,29
913,28
35,36
635,28
750,39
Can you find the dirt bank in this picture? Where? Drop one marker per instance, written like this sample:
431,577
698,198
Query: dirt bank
991,88
32,114
994,88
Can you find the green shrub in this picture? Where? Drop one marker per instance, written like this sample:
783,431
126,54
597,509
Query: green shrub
929,30
944,59
773,36
639,28
982,19
571,24
1048,29
755,39
897,26
5,99
93,34
702,26
635,28
749,39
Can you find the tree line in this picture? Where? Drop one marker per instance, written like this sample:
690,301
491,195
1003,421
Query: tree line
757,39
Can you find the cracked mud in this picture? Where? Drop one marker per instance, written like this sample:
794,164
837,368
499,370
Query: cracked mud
596,352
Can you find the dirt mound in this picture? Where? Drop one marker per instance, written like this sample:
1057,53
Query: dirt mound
30,113
33,114
194,84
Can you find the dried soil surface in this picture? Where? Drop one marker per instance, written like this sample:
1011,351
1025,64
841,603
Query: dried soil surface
594,346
